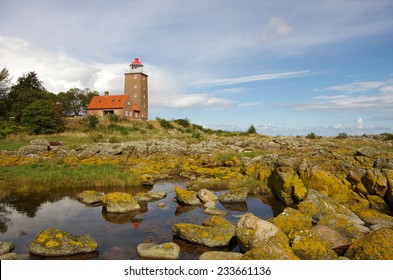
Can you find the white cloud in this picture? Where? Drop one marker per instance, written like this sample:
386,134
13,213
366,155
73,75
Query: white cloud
360,123
251,78
338,126
358,86
276,29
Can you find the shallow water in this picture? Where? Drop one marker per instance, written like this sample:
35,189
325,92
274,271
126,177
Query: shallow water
23,217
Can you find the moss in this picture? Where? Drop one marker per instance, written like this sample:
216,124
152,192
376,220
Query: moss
52,243
117,197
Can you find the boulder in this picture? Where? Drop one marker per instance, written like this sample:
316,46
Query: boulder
383,163
252,232
376,245
147,180
187,197
35,147
54,243
307,245
317,205
215,211
291,220
234,196
374,218
119,202
219,255
90,197
367,151
204,235
167,251
332,238
9,256
215,232
286,185
206,195
389,193
344,225
375,182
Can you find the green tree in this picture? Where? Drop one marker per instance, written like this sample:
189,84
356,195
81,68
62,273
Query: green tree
26,91
42,117
251,130
75,101
4,90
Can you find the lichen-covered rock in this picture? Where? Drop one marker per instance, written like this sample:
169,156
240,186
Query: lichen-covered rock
270,252
374,217
389,193
309,246
219,255
332,238
234,196
187,197
344,225
167,251
252,232
317,205
220,222
375,182
119,202
367,151
291,219
6,247
90,197
286,185
147,180
206,195
54,243
376,245
35,147
204,235
150,196
215,211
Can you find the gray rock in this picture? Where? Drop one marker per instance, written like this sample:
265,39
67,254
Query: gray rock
35,147
119,202
150,196
9,256
168,251
332,237
367,152
187,197
215,211
90,197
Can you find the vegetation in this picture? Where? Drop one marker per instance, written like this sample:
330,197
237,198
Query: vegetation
311,135
342,135
251,130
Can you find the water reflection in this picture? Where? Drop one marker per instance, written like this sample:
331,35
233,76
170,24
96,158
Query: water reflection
22,217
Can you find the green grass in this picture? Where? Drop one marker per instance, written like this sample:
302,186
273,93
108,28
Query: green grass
54,175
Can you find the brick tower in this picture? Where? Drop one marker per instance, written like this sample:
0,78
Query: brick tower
135,86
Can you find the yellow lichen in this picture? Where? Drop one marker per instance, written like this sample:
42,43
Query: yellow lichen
52,243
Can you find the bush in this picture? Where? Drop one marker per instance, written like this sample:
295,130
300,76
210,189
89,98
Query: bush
342,135
113,118
165,124
119,128
90,122
183,122
311,135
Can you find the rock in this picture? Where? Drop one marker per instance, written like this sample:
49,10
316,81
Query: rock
374,217
6,247
215,232
344,225
9,256
291,219
270,252
204,235
286,185
367,151
150,196
147,180
375,182
377,203
383,163
389,192
90,197
187,197
318,205
215,211
206,195
167,251
162,205
234,196
252,232
376,245
332,238
219,255
309,246
209,204
53,243
119,202
35,147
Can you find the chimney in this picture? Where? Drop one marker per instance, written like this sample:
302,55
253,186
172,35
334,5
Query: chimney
106,93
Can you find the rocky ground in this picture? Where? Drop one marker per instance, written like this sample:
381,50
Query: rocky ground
337,193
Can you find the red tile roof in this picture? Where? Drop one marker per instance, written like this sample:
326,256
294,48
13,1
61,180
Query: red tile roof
135,107
108,102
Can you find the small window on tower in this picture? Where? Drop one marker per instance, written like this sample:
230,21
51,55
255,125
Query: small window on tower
128,103
135,95
135,86
135,77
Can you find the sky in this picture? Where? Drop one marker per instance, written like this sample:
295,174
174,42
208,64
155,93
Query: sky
287,67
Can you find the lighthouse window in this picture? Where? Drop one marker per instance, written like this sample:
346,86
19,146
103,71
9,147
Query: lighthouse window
135,86
135,95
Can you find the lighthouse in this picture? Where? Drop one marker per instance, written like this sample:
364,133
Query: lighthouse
135,86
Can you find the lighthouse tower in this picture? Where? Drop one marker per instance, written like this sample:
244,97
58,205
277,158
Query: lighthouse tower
135,86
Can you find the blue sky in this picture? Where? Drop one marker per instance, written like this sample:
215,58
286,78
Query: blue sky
287,67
